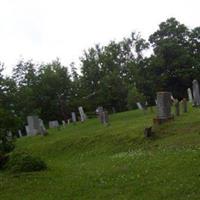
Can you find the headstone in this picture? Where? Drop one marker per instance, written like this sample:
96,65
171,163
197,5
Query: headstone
184,104
163,107
148,132
53,124
190,95
20,133
103,116
113,110
63,123
99,110
43,130
196,94
139,106
177,107
27,130
68,121
82,114
9,136
73,117
34,125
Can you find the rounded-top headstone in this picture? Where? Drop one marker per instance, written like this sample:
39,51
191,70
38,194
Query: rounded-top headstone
163,105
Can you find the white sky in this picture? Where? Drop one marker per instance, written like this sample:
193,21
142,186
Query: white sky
46,29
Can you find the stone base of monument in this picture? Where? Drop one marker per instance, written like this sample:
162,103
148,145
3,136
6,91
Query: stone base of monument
161,121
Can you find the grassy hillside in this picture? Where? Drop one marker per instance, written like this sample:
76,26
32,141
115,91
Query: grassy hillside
91,161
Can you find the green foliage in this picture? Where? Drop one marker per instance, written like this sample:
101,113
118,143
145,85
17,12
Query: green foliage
133,97
3,160
25,162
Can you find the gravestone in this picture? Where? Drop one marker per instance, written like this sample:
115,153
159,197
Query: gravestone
139,106
177,107
103,116
73,117
82,114
20,133
163,107
68,121
190,98
184,105
53,124
99,110
43,130
63,123
196,94
113,110
33,125
27,130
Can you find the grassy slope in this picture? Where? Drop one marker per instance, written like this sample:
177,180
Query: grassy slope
90,161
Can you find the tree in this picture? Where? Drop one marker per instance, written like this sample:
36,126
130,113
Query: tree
172,62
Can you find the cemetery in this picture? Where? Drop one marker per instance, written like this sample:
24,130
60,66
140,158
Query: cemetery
91,161
123,123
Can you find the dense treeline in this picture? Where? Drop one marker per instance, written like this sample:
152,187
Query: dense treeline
115,76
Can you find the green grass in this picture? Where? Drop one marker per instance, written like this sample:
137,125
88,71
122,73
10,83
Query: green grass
91,161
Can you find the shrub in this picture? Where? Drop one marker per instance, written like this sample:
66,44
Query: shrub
24,162
3,160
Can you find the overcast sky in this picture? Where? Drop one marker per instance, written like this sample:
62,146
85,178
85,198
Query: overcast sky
45,29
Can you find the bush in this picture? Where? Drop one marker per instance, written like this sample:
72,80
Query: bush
24,162
3,160
6,146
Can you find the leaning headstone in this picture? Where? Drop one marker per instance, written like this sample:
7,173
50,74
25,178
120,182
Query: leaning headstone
190,95
139,106
184,105
43,130
53,124
177,107
82,114
163,107
20,133
73,117
196,94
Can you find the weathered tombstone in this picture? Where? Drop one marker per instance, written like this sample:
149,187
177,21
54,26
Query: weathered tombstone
63,123
139,106
73,117
27,130
34,125
68,121
113,110
53,124
177,107
82,114
190,95
103,116
43,130
184,105
163,107
196,94
9,136
148,132
99,110
20,133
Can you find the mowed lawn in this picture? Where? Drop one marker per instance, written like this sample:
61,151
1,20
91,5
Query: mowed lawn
92,161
